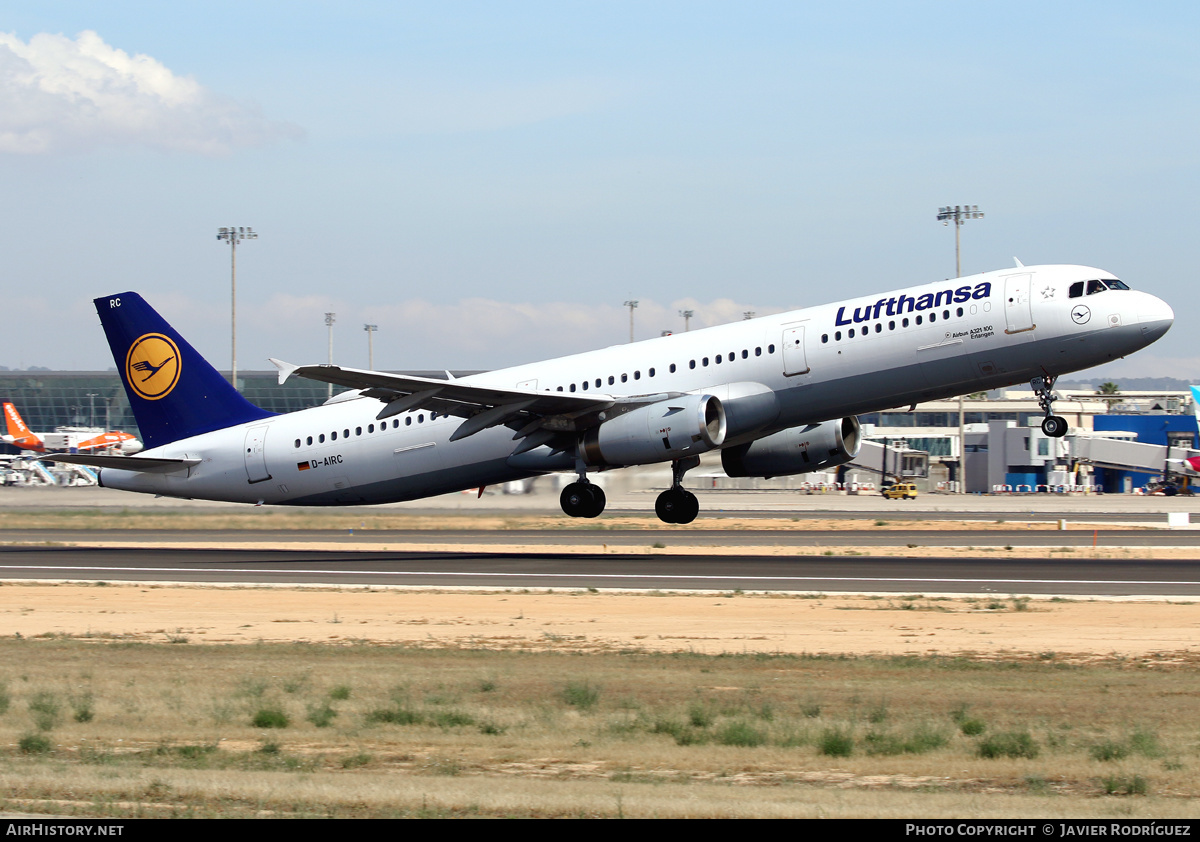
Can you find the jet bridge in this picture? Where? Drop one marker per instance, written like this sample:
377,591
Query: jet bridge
902,461
1132,456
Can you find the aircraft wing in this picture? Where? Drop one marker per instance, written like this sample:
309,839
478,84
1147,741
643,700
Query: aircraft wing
144,464
535,415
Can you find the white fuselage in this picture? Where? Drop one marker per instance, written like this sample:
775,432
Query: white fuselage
867,354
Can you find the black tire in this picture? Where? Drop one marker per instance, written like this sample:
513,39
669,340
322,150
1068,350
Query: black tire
677,505
690,508
577,499
667,506
1054,426
598,501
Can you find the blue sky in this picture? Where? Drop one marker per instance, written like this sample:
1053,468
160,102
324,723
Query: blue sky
488,182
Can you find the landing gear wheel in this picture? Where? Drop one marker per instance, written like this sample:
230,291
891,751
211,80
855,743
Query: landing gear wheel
598,501
1055,426
582,499
677,505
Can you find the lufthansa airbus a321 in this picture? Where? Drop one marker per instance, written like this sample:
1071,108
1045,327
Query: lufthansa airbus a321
776,395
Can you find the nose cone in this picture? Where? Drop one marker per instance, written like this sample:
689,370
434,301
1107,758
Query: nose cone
1155,317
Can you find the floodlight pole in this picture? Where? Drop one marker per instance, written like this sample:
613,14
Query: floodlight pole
330,318
370,329
687,319
960,214
231,235
632,305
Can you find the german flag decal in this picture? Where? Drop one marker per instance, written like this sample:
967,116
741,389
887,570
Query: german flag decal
302,466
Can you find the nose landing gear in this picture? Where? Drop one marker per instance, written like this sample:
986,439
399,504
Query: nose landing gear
1054,426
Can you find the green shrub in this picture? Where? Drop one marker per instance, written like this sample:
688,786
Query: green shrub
45,709
394,716
835,742
581,694
452,719
82,707
741,734
270,718
919,741
1108,750
1145,743
1009,744
321,715
972,727
34,744
699,715
1126,785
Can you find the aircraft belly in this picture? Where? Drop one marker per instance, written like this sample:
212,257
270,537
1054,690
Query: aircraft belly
428,466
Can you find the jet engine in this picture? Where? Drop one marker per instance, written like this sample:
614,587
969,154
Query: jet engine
796,450
662,431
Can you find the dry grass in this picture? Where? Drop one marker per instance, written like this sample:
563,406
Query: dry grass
162,729
284,519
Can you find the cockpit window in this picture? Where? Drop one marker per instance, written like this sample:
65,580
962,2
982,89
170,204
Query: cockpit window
1076,290
1096,286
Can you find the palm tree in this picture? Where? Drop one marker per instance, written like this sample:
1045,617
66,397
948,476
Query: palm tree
1109,388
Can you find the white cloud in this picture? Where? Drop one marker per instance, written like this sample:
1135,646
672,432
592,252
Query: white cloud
61,95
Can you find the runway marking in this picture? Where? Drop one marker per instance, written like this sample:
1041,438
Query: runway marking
667,576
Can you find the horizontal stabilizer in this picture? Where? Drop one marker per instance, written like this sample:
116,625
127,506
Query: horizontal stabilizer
144,464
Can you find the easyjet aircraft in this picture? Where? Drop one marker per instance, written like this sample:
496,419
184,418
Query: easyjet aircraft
78,440
775,395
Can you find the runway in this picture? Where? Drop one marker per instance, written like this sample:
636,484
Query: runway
882,536
978,575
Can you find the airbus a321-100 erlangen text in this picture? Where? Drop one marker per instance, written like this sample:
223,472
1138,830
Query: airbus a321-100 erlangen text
776,395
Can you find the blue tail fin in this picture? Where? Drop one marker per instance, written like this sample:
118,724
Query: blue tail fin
173,391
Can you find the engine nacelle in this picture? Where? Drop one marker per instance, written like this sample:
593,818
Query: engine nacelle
659,432
796,450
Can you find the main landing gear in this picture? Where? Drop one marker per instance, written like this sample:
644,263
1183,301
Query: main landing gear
677,504
1055,426
582,499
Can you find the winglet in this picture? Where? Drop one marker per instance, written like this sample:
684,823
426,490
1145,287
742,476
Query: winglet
286,370
1020,265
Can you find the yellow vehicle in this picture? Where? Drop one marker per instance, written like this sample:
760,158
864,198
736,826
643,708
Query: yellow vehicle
900,491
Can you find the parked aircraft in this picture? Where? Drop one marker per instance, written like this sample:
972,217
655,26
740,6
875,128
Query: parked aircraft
75,439
775,395
1193,462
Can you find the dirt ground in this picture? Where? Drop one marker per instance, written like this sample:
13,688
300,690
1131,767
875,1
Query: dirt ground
568,620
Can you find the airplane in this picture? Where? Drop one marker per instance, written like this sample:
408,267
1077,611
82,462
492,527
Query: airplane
65,438
776,395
